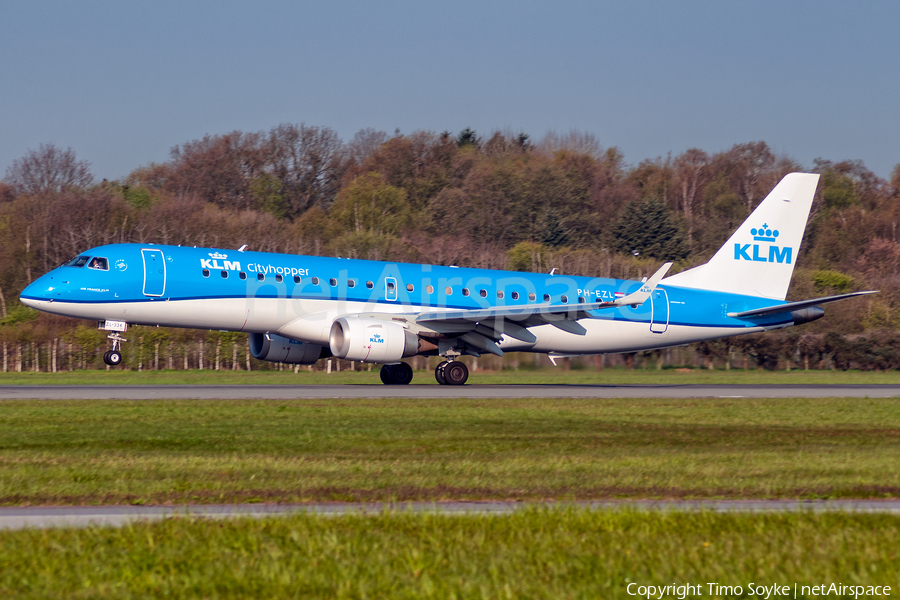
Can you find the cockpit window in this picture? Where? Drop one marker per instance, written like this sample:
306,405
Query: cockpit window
78,261
99,263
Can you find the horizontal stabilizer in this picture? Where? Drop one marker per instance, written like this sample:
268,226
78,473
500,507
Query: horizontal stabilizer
792,306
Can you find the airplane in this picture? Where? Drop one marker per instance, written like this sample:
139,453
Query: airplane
301,309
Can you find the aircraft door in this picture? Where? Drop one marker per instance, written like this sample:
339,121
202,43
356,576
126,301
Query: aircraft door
390,289
659,319
154,272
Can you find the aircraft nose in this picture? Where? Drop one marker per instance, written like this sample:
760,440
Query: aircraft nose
41,291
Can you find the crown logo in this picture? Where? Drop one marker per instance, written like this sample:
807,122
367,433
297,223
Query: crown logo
218,255
764,234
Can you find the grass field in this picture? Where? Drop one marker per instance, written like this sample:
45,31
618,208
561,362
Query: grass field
571,553
93,452
532,376
89,452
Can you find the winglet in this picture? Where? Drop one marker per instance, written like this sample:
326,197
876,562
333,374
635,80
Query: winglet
640,296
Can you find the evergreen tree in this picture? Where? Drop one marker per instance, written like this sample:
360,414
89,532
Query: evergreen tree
647,228
553,234
467,137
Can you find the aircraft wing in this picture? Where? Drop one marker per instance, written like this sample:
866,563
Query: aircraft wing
792,306
483,328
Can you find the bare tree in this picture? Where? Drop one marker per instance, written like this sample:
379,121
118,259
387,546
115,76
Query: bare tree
573,141
219,168
751,162
364,144
690,173
48,169
506,143
309,162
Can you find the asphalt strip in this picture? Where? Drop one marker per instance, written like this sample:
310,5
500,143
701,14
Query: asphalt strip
45,517
288,392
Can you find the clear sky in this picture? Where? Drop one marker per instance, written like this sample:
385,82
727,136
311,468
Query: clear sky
123,82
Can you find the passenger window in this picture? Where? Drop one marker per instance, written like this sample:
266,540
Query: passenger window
333,282
296,279
242,275
546,297
224,274
315,281
410,287
351,283
429,289
99,263
514,295
564,299
279,278
500,294
78,261
260,276
532,297
580,300
465,291
370,285
483,293
206,272
448,290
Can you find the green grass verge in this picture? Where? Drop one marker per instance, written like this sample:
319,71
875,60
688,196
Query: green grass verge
91,452
533,376
571,553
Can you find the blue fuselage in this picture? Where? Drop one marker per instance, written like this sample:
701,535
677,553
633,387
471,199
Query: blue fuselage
263,292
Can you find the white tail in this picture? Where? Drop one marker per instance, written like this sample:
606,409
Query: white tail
759,258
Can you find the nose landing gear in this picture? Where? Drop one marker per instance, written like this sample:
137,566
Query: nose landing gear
114,357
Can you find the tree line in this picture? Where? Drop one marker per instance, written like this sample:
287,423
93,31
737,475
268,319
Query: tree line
499,201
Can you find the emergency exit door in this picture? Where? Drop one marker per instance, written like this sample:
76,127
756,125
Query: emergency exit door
659,319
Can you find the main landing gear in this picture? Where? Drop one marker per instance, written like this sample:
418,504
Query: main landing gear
396,374
114,357
451,372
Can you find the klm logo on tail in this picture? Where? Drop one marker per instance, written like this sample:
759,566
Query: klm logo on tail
776,254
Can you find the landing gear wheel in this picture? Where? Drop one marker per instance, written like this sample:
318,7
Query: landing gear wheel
113,357
398,374
439,373
403,374
455,373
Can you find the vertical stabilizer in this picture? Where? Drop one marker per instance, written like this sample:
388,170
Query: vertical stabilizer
759,258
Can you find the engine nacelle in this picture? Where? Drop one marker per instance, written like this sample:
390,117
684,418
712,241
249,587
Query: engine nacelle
274,348
371,340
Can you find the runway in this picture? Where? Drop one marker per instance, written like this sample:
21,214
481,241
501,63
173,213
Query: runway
288,392
40,517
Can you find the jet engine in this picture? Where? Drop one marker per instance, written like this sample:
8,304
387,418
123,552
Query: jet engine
371,340
274,348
